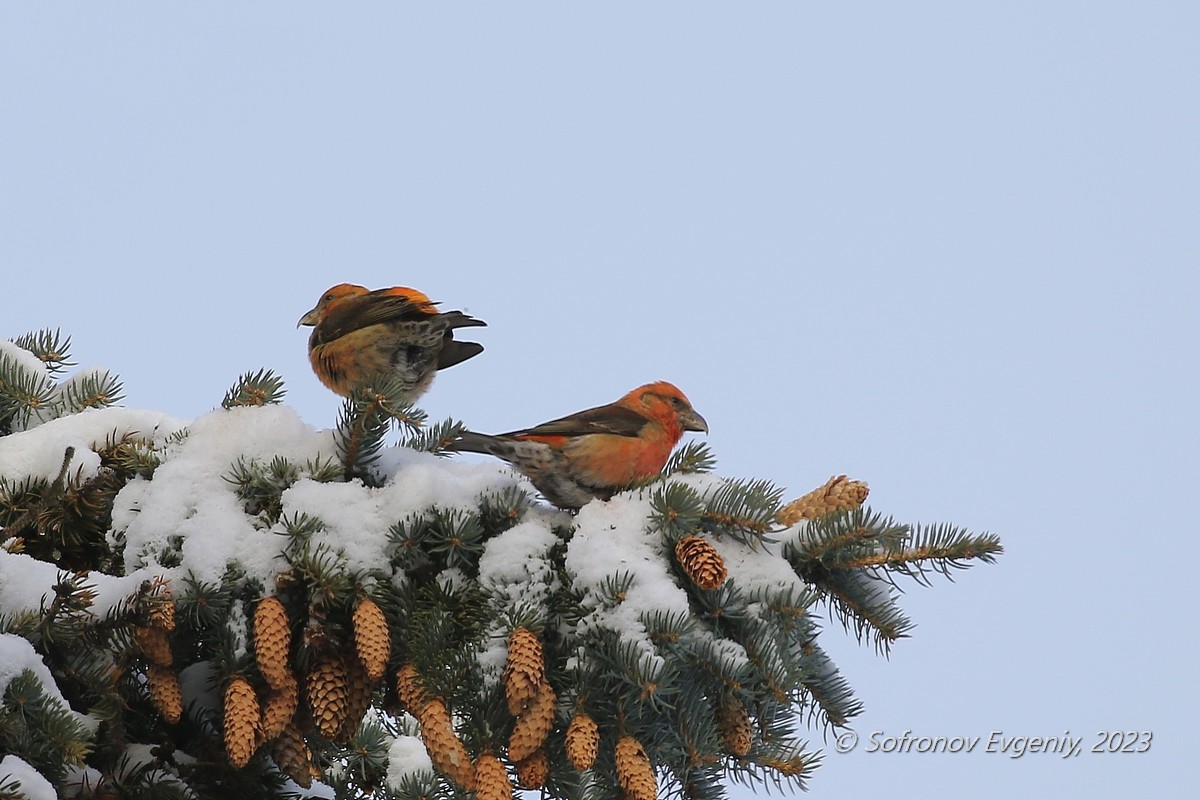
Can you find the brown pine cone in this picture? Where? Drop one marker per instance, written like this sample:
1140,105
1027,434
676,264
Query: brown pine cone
241,721
372,638
273,642
583,741
701,562
524,671
533,725
326,692
634,772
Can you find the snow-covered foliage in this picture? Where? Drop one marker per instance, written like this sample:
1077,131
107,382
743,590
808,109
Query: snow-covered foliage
109,513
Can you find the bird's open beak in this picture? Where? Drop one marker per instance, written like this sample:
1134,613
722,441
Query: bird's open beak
308,319
693,421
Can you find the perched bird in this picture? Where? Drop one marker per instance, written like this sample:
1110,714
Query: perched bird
598,452
360,334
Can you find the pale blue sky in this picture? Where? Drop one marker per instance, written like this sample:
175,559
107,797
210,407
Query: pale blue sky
948,248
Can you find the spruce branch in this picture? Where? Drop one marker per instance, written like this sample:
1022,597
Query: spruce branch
744,510
500,510
49,347
261,486
679,511
838,539
24,395
259,388
95,389
435,438
129,455
833,700
40,729
364,422
693,457
865,605
454,538
358,437
939,548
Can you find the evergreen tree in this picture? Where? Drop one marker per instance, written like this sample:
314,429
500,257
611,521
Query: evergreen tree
244,606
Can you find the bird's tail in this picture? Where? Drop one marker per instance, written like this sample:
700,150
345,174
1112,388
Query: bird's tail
455,352
471,442
457,319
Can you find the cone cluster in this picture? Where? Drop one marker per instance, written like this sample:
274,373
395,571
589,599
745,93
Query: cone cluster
530,697
837,494
701,562
337,688
154,642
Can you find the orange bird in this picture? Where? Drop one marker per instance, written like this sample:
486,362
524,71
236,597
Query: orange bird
598,452
359,334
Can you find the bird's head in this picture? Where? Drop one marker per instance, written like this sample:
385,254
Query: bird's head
663,401
331,295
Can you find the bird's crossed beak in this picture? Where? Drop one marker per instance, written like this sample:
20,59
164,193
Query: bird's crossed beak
310,319
692,421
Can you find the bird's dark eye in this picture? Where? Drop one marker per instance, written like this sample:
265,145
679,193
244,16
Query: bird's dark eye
675,401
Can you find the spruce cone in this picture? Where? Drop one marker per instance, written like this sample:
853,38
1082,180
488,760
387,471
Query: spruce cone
789,767
155,645
533,771
733,723
272,642
241,721
359,688
532,726
583,741
162,610
165,692
838,493
701,562
409,689
293,757
326,693
279,709
634,773
372,638
525,670
446,750
491,779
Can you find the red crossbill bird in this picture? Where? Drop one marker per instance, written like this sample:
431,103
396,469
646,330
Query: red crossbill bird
360,334
598,452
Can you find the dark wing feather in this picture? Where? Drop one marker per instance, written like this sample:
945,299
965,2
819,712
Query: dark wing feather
369,309
611,419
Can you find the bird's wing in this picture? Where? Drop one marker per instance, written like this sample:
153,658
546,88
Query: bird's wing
611,419
370,309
